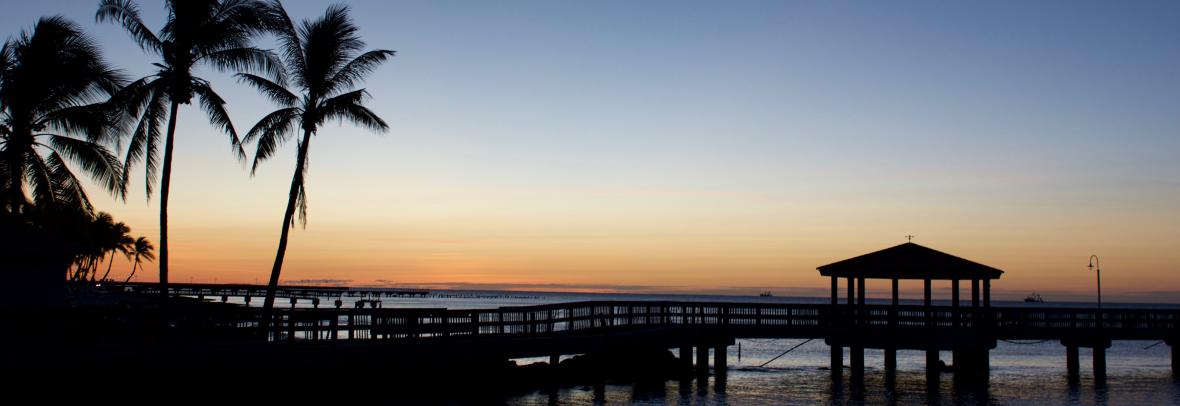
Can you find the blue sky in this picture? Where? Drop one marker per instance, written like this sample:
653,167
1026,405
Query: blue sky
690,144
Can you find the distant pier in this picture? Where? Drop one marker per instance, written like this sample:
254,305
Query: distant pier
248,292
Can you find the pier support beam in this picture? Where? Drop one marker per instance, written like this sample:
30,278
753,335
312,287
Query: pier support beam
932,367
703,359
837,362
686,357
1099,363
1175,358
719,361
890,360
1071,362
554,360
856,355
971,364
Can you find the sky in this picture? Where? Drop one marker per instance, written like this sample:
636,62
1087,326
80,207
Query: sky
701,147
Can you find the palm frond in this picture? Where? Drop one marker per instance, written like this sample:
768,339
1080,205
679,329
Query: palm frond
94,121
289,41
214,107
69,190
276,91
329,43
145,139
126,13
40,177
271,132
355,70
347,107
93,158
247,59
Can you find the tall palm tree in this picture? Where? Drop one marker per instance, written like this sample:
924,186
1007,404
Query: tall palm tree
324,60
212,32
143,250
53,85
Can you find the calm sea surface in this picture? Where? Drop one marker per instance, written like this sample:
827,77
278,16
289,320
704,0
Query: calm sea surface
1022,373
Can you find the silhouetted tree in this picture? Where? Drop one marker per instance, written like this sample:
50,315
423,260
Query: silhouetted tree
95,237
53,85
117,240
212,32
143,250
324,61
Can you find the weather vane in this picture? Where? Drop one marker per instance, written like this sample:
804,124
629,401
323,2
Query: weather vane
909,237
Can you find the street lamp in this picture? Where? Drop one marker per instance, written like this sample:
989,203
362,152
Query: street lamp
1097,271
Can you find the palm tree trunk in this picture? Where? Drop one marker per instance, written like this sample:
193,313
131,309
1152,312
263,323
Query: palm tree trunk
273,284
133,264
108,272
165,179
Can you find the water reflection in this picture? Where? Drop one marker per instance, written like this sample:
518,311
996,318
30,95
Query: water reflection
1024,375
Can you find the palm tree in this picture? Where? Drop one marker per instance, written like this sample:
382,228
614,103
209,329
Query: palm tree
324,61
143,250
117,240
53,85
213,32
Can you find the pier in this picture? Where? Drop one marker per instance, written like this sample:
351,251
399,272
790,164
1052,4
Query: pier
968,328
688,327
247,292
338,336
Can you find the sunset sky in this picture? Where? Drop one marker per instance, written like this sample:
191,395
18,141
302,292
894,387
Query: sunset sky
682,146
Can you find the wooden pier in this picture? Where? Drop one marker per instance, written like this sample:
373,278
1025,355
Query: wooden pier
363,335
591,327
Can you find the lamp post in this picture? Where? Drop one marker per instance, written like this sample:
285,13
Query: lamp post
1098,272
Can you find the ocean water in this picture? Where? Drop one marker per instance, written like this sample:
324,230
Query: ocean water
1022,373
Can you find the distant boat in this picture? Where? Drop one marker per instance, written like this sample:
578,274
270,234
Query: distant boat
765,294
1034,298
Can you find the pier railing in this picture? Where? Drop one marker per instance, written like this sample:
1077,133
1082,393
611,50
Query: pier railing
727,319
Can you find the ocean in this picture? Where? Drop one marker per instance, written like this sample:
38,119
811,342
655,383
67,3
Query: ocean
1022,373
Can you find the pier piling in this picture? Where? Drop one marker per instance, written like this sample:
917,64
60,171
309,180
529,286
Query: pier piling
686,357
932,366
703,359
857,362
1071,362
1099,363
1175,359
837,357
719,361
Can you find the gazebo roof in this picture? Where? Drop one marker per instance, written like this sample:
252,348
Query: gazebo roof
909,261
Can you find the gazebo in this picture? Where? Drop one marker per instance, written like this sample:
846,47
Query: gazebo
906,261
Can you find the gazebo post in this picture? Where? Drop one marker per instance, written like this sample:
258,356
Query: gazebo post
835,301
926,302
851,291
955,301
932,367
837,351
987,293
856,352
891,348
975,303
987,304
835,290
975,293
